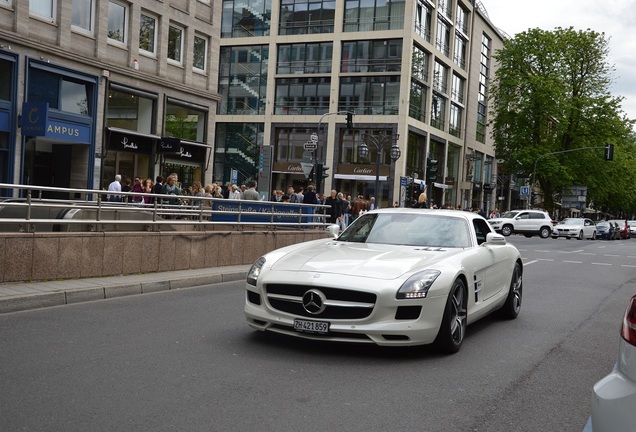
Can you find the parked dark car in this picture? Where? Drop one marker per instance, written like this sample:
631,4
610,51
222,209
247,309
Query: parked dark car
604,230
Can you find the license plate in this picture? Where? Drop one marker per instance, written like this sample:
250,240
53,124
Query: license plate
305,326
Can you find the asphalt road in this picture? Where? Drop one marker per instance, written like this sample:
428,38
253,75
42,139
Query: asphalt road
185,360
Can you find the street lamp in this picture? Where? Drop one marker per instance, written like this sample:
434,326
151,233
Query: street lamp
379,141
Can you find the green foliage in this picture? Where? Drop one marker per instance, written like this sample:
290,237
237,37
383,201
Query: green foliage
551,94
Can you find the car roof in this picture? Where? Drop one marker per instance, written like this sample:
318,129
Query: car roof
436,212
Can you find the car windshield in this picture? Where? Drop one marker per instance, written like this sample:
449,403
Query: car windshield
602,224
409,229
572,221
509,214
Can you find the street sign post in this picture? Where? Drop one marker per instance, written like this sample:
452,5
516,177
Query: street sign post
310,146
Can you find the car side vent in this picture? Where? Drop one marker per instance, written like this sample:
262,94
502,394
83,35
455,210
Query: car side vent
253,297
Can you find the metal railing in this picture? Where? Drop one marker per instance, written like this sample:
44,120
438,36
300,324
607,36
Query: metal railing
26,208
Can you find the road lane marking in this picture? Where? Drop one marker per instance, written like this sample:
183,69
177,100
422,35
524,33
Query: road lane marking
530,262
573,262
628,265
604,264
611,255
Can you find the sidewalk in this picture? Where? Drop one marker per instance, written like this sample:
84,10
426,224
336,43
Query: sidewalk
20,296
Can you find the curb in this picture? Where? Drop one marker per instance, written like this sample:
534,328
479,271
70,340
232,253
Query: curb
96,291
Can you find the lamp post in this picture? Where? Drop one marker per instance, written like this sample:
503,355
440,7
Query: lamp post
379,141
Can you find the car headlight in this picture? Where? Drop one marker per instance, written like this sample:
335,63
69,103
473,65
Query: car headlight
417,286
255,270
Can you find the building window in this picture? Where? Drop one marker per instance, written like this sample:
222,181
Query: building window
243,79
245,18
442,40
302,95
129,109
43,8
306,16
438,111
460,51
148,33
455,120
185,122
462,20
236,151
423,19
288,144
304,58
482,96
457,89
117,21
419,64
440,77
200,53
367,15
446,8
370,95
372,56
175,43
6,83
68,94
417,101
83,14
7,3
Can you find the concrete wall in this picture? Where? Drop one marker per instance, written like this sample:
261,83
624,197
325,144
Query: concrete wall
50,256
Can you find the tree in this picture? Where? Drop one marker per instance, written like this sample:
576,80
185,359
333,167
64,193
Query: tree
551,94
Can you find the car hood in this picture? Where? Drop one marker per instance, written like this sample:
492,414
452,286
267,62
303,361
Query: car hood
362,259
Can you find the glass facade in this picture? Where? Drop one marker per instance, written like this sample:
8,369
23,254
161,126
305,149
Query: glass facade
305,58
369,15
372,56
243,79
370,95
245,18
306,16
237,149
63,93
302,95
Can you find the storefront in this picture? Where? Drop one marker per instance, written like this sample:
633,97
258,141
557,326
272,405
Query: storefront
187,159
8,90
58,128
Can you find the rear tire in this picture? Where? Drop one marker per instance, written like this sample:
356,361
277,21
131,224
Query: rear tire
453,328
511,308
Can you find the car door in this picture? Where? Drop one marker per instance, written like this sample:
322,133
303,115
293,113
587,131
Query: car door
490,266
523,223
588,228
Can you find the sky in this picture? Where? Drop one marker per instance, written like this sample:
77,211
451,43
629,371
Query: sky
615,18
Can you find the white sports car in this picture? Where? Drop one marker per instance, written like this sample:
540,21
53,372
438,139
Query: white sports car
395,276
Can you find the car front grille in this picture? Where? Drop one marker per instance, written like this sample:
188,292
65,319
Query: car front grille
341,303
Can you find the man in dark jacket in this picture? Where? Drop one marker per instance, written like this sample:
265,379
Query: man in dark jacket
335,211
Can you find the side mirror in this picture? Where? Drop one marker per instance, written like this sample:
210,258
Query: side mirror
495,239
333,230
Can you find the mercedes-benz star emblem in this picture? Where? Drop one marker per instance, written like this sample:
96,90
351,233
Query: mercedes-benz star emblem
314,301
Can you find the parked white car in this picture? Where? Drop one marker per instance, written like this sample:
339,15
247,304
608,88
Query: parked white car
578,228
526,222
614,397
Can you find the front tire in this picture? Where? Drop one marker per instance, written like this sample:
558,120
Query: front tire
512,306
453,329
545,232
506,230
580,236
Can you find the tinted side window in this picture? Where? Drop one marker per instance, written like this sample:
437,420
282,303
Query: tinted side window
481,229
524,216
537,216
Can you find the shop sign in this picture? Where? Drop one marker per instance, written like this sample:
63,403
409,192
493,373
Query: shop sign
169,145
129,142
34,118
68,132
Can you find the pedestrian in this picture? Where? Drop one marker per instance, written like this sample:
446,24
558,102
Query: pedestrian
334,211
157,189
115,186
310,196
359,205
137,187
342,220
126,187
234,194
372,204
147,187
251,194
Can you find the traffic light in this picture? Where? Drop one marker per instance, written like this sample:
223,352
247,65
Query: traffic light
431,169
321,174
609,152
349,120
